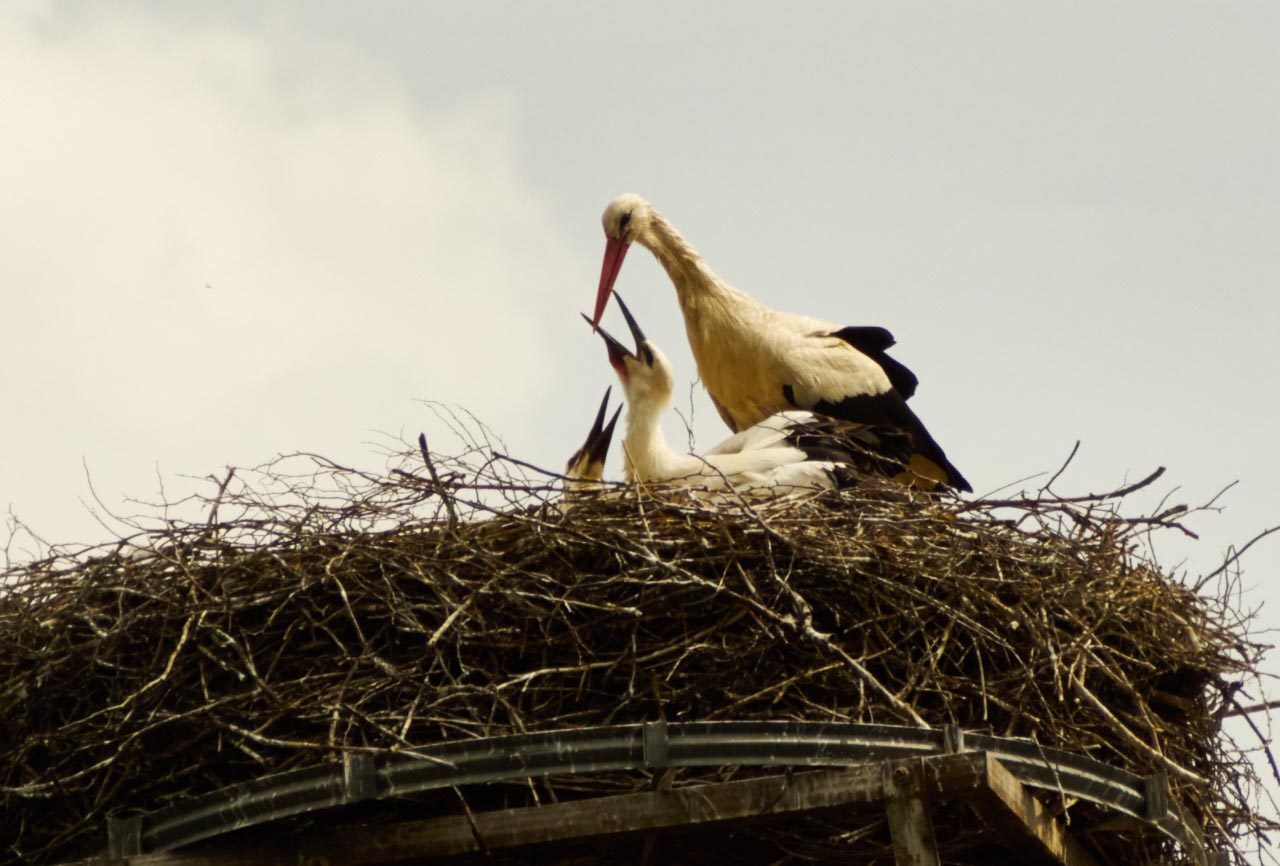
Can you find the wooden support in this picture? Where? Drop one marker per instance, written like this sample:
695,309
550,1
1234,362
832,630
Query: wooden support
580,820
904,788
1010,809
909,824
124,836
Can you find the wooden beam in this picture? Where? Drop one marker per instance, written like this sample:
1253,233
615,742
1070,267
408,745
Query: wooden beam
904,788
1010,809
910,827
700,806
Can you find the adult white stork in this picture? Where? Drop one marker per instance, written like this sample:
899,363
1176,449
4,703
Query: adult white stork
784,452
755,361
586,466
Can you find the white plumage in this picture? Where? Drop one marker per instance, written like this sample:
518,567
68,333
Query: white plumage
776,454
756,361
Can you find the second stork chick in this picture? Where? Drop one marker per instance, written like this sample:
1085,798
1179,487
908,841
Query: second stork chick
787,451
585,468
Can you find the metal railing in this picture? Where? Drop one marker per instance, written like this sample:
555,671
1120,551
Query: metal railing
362,776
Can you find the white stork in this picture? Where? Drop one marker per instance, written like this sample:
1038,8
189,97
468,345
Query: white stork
784,452
586,466
755,361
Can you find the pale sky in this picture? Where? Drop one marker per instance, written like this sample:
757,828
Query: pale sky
230,230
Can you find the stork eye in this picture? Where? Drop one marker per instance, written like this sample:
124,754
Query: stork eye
622,223
647,354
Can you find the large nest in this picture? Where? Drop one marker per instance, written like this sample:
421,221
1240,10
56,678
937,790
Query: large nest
316,609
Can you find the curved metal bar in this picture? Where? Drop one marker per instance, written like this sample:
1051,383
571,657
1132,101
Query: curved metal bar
640,746
1072,774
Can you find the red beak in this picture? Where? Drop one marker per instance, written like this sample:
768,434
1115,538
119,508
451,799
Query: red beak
615,250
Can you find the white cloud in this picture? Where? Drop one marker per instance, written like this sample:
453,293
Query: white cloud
218,244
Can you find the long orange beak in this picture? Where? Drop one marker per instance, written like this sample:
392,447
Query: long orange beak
615,250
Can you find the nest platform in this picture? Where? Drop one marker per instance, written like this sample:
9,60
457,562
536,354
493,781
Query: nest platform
316,618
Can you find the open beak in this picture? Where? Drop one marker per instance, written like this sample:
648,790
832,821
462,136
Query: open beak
598,425
617,352
636,333
587,463
597,446
615,250
589,459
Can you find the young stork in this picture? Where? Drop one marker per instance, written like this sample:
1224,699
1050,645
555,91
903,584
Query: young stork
785,451
586,466
755,361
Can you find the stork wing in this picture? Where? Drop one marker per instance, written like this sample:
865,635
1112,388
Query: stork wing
889,410
753,463
823,367
870,449
873,342
828,375
767,434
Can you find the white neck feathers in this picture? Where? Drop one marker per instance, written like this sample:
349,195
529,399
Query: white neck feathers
688,271
647,455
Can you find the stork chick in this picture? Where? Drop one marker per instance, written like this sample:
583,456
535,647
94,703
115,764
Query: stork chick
586,467
786,451
755,361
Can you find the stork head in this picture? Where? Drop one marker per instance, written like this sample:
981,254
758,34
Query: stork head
587,463
626,219
645,373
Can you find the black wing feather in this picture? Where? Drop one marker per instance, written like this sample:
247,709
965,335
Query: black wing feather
874,341
889,412
866,449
